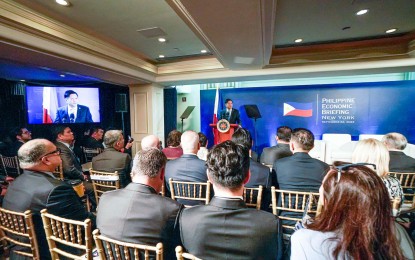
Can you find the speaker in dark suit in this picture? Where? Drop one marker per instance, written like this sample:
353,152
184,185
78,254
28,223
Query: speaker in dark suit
72,112
229,113
226,228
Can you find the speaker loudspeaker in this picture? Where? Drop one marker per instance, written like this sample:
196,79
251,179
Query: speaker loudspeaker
121,103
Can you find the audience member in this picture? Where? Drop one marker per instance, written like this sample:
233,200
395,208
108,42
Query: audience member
226,228
20,136
203,151
260,174
112,159
282,149
375,152
173,149
355,222
150,141
71,166
188,167
38,189
138,214
399,161
95,138
300,172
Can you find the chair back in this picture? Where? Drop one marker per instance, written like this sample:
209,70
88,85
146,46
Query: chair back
58,173
407,181
74,235
180,255
103,182
10,166
113,249
194,191
253,197
90,153
17,229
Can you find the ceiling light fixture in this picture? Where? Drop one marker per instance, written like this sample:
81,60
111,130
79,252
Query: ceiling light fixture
161,56
162,39
203,51
63,2
391,30
362,12
62,75
298,40
22,80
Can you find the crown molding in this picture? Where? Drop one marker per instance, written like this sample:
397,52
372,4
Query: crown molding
194,65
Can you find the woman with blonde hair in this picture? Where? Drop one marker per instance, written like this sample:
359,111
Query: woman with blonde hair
375,152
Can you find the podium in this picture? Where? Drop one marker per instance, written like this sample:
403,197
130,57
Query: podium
220,135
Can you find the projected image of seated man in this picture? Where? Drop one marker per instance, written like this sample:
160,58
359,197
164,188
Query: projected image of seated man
72,112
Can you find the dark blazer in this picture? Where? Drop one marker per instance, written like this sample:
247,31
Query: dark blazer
137,214
83,115
14,148
226,229
112,160
235,119
72,168
400,162
91,142
261,175
271,154
38,190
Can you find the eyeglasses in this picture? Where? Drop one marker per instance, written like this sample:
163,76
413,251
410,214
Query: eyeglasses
56,152
344,166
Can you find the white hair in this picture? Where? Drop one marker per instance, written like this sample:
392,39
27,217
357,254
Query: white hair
31,152
150,141
395,141
111,137
189,141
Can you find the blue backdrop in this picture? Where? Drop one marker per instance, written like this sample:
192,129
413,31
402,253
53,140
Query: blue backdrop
358,108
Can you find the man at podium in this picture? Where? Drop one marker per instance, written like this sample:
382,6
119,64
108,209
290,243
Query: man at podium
229,113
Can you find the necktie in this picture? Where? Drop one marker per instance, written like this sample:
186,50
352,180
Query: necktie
72,118
229,115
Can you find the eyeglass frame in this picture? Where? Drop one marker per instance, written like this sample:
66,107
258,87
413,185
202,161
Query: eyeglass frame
344,166
56,152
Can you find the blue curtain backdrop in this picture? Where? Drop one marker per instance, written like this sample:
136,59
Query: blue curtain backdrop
358,108
170,111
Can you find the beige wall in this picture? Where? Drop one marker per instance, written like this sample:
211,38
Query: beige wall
147,112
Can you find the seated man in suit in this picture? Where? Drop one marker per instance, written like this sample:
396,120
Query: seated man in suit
282,149
260,174
229,113
188,167
137,213
95,138
20,136
71,166
73,113
226,228
112,159
38,189
399,161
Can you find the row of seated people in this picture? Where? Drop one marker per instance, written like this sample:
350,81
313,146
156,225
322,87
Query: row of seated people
189,139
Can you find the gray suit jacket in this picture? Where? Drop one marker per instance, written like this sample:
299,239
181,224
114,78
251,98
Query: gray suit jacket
112,160
72,168
226,229
271,154
137,214
400,162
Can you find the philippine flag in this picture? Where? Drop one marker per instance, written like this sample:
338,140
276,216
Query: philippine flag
298,109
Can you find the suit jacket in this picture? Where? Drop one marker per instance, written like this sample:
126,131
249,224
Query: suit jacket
72,168
271,154
400,162
261,175
83,115
39,190
226,229
186,168
91,142
142,216
235,119
14,148
112,160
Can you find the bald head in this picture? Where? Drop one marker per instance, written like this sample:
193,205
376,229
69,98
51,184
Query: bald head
150,141
190,142
39,155
395,141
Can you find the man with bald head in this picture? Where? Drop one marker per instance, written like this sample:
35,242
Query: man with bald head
38,189
188,167
150,141
399,161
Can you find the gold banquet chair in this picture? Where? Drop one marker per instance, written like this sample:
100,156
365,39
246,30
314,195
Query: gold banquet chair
75,235
113,249
17,229
253,197
90,153
10,166
58,173
180,255
194,191
407,181
103,182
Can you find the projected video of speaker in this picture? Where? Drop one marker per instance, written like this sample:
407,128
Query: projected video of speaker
62,105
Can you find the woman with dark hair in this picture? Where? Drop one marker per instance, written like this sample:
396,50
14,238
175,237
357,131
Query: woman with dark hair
356,220
173,149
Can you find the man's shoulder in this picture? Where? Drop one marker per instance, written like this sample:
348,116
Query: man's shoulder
259,166
83,107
